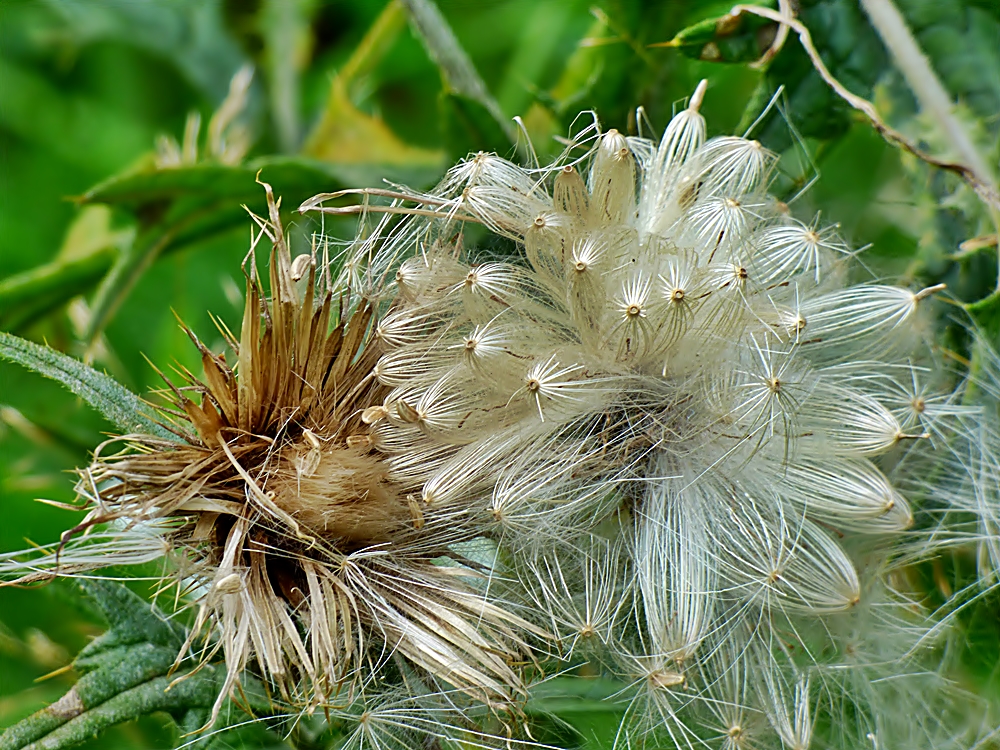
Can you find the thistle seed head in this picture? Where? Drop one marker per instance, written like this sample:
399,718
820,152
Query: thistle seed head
665,437
676,363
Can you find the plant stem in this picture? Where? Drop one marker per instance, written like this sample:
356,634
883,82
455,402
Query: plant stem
932,96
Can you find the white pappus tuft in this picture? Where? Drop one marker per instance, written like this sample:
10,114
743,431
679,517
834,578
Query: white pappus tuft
672,363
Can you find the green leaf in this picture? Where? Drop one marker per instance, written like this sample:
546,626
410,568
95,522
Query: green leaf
31,294
191,34
119,405
122,277
459,74
89,249
986,313
183,205
130,617
963,44
844,39
469,127
291,177
346,135
110,697
853,53
126,674
741,38
593,707
576,695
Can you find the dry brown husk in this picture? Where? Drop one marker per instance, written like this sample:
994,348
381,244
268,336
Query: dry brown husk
304,560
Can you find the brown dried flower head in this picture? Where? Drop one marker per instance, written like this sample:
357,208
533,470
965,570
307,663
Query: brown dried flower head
307,554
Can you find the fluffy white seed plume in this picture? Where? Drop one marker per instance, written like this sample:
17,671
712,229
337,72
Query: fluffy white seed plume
673,362
580,592
787,703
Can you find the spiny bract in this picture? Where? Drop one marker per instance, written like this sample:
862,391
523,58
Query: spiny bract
306,553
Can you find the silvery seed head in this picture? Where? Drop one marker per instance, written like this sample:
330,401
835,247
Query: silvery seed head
666,437
673,382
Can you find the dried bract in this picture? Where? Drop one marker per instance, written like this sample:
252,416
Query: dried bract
302,547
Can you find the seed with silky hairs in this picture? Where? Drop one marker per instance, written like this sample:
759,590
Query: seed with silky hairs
649,379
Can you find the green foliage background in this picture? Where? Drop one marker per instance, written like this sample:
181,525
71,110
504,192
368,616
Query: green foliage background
99,250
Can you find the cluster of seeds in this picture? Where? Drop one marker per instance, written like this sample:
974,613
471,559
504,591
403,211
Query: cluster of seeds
304,553
664,439
674,414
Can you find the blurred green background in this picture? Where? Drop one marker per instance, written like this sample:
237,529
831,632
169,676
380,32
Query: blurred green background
113,221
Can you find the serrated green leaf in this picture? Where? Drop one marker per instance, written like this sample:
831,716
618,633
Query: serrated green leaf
124,674
842,36
130,617
853,53
127,674
97,702
963,45
119,405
